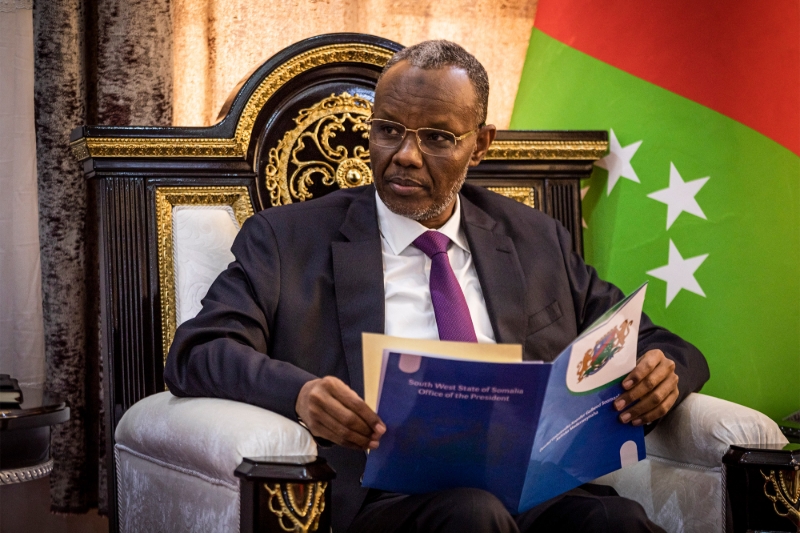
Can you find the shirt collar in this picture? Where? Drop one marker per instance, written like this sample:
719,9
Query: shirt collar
399,231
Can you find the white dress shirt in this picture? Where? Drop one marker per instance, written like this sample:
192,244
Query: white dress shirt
407,271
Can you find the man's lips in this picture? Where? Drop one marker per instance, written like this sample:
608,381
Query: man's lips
404,186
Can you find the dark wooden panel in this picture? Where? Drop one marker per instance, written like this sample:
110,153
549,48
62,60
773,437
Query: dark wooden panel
128,297
563,202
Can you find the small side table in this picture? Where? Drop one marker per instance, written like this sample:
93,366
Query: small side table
762,485
25,437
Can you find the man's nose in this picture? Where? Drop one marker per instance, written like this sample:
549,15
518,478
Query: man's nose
408,153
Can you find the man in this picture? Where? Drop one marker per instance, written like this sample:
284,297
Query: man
281,327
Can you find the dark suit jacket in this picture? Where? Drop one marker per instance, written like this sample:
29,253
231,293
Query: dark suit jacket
308,280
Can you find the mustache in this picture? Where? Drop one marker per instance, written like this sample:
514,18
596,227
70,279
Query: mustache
405,179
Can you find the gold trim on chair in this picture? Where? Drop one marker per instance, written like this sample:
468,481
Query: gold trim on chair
237,147
238,198
565,150
302,504
785,493
87,147
524,195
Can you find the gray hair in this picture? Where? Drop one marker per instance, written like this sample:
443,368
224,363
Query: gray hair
440,53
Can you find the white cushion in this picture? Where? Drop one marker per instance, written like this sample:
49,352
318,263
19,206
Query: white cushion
201,240
700,430
208,436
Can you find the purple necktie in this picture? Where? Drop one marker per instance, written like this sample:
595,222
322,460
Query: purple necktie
449,304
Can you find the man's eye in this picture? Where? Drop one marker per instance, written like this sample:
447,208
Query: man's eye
436,137
391,131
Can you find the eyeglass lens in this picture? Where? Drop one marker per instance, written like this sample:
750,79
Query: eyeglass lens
431,141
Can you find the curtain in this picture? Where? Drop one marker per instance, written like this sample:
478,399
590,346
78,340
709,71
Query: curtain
217,42
96,62
21,327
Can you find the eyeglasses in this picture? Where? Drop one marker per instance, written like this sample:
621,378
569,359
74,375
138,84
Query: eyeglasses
389,134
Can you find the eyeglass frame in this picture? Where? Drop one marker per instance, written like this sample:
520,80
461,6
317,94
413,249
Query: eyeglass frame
457,138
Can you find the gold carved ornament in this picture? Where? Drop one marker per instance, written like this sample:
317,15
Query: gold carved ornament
283,502
546,150
317,127
237,146
523,195
238,198
785,486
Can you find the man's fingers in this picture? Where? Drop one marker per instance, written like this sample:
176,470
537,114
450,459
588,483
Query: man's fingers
327,406
335,412
328,427
652,389
333,398
351,401
644,366
646,383
655,401
659,411
650,381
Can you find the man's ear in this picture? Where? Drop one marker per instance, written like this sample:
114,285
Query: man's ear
486,135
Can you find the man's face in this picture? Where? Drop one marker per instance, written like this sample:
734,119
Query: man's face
410,182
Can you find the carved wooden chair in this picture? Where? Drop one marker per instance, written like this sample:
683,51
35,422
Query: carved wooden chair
170,202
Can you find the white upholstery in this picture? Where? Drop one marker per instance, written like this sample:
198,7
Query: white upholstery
155,497
681,483
202,236
176,456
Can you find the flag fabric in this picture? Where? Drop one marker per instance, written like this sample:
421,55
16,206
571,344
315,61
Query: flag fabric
700,190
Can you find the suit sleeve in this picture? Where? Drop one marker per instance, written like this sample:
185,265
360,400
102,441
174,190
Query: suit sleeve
223,351
592,297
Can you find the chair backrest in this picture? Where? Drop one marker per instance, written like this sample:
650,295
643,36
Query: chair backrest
170,200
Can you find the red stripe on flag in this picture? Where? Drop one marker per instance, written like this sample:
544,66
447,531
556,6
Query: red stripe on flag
740,57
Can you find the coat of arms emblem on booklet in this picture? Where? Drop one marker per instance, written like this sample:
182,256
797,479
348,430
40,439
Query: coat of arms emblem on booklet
525,431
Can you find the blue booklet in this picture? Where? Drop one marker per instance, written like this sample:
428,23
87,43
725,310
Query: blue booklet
525,432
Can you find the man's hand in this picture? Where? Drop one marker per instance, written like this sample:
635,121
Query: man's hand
654,383
333,411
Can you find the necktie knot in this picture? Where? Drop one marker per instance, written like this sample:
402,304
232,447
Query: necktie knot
432,243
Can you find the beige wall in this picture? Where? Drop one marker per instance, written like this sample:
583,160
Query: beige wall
217,42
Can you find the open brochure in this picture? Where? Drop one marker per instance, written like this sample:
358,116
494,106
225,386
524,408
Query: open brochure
525,431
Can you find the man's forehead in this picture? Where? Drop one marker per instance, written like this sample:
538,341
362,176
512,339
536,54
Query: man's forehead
447,78
441,90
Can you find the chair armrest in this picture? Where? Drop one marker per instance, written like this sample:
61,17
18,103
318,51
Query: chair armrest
701,428
208,435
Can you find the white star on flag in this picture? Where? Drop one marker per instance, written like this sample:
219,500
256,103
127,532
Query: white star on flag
618,162
679,273
679,196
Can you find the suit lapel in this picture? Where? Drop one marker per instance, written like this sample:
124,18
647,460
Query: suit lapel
499,273
358,279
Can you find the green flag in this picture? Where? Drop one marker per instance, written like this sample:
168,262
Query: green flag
700,191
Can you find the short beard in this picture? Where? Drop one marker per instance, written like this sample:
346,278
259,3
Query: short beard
432,211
